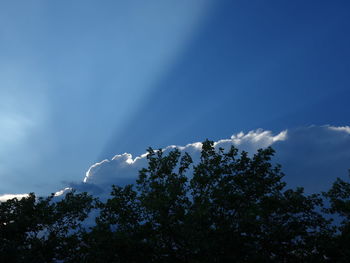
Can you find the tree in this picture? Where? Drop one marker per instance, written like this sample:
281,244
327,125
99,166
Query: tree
42,229
227,207
233,208
339,199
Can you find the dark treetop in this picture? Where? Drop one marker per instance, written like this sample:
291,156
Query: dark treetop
229,207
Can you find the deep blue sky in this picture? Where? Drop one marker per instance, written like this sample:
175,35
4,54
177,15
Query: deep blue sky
83,80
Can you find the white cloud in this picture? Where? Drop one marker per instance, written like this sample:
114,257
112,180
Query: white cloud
5,197
310,156
253,140
123,167
343,128
63,191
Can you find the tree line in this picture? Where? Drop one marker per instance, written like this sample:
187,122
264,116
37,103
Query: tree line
231,208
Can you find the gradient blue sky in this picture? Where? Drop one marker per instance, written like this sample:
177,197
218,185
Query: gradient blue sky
81,81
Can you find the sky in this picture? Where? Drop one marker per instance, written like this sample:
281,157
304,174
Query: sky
82,81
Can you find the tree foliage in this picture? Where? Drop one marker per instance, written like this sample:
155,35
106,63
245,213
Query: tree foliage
228,207
41,230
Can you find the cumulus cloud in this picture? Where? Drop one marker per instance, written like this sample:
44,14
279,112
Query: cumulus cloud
343,128
5,197
124,168
311,157
253,140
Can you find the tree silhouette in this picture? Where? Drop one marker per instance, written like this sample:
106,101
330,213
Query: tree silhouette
232,208
228,207
40,230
